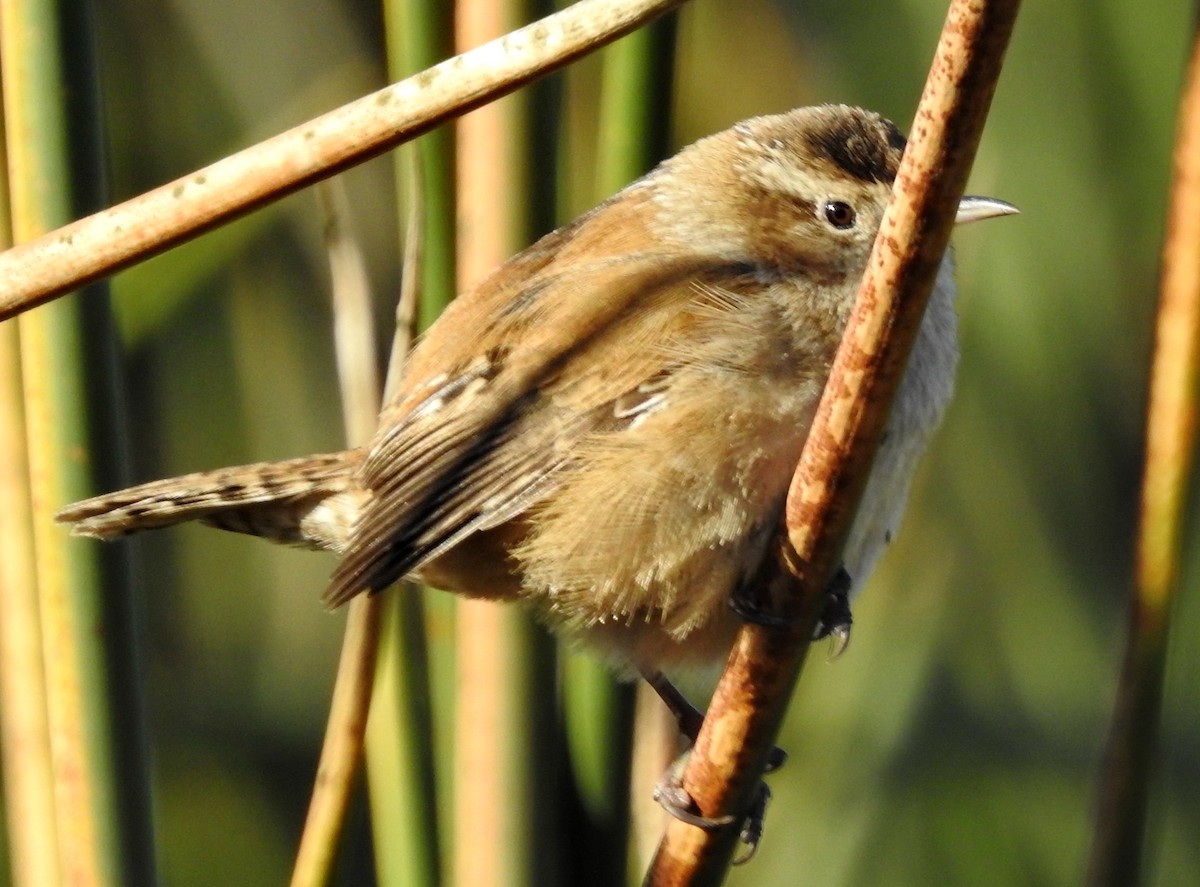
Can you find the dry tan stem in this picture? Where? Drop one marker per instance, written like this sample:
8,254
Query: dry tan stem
486,841
24,725
726,763
341,751
353,322
410,281
1170,440
100,244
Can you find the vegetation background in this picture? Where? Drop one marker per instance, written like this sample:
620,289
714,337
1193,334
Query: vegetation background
957,740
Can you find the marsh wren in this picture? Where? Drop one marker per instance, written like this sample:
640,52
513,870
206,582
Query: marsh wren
605,428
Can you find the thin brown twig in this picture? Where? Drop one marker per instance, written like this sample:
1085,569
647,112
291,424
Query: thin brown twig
1117,842
355,347
727,761
410,277
358,375
342,749
114,238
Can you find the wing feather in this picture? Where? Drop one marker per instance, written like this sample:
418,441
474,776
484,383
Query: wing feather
504,384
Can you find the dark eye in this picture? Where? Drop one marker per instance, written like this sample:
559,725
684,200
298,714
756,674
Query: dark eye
839,214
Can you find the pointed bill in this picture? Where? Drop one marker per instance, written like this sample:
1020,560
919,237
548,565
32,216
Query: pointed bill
973,209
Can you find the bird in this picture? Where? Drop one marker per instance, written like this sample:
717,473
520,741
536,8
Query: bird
604,429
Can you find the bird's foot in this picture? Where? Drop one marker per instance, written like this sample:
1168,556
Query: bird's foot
676,800
834,621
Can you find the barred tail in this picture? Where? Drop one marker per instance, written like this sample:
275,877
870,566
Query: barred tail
310,501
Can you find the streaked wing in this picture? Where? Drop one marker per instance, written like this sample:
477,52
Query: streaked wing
482,424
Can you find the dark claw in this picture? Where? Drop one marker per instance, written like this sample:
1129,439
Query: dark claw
752,825
776,758
835,620
676,800
750,609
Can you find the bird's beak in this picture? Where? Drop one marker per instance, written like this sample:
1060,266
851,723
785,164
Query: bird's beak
972,209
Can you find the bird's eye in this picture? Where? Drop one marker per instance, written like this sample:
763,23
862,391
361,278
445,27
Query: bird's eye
839,214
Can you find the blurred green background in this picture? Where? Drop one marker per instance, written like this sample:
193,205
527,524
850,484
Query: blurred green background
956,742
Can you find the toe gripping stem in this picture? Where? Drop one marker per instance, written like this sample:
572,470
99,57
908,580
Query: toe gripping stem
676,800
834,621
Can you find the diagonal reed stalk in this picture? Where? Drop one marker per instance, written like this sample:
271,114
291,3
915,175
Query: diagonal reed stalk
727,761
98,245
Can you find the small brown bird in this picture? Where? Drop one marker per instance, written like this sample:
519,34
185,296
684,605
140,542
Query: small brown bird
605,428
